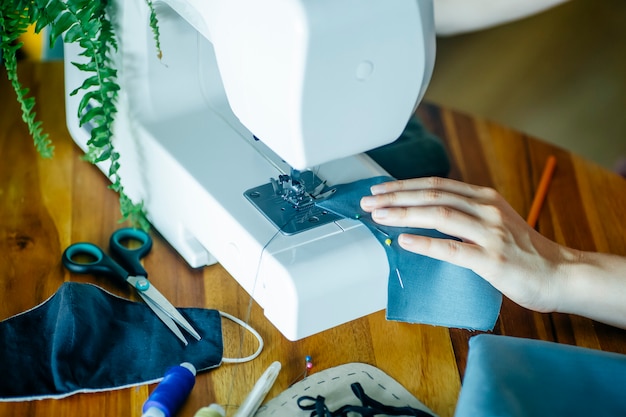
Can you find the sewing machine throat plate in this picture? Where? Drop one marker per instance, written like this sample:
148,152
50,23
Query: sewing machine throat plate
292,211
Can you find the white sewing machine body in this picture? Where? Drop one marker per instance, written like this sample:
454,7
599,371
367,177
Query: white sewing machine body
318,82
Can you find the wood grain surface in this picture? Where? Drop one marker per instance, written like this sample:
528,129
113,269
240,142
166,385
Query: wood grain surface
45,205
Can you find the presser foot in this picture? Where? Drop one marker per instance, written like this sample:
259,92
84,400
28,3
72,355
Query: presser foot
289,201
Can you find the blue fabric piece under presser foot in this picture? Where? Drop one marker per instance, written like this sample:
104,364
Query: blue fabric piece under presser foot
421,289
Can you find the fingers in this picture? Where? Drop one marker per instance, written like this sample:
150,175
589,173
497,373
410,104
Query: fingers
427,191
471,213
419,198
444,219
428,183
465,255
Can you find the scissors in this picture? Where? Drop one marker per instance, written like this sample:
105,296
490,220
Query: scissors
131,271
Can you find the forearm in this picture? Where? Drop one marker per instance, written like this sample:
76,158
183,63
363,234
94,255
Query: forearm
594,286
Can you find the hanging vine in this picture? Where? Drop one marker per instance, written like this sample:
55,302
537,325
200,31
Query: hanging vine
13,23
87,23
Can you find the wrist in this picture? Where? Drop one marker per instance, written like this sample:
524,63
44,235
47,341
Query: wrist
570,284
593,285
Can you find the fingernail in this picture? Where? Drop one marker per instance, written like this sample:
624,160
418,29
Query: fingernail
377,189
367,202
380,213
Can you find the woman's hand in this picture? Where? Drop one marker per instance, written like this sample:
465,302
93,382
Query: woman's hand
496,243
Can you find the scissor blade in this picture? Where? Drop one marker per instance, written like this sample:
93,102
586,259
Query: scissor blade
166,319
166,307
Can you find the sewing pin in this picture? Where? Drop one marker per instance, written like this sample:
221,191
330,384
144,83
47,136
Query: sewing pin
307,367
399,278
381,231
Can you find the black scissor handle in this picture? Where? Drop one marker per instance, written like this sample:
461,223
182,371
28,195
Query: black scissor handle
130,257
95,261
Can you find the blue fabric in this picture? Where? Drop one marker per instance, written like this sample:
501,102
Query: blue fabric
428,290
507,376
85,339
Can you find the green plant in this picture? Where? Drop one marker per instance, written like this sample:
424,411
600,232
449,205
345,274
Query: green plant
13,23
87,23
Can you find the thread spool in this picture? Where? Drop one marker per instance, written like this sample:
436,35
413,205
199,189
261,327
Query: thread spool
170,394
214,410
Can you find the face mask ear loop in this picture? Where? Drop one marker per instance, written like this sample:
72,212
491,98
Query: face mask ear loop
251,330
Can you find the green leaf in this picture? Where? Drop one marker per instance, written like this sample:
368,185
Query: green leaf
115,166
99,142
107,72
88,67
104,156
92,113
109,85
63,23
116,187
92,81
44,145
41,23
73,34
154,25
90,98
87,10
28,104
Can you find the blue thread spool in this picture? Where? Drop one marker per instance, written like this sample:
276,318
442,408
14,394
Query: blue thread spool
170,394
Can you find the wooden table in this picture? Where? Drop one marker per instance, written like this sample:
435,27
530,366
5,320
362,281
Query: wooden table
45,205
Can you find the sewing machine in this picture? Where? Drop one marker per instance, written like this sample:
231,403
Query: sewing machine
275,96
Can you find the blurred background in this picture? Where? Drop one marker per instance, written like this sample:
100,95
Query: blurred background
559,76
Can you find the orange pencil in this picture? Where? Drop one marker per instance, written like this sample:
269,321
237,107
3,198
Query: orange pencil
542,190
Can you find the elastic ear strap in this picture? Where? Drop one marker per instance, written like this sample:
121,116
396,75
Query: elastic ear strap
251,330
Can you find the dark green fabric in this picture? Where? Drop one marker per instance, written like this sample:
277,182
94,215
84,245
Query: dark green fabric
416,153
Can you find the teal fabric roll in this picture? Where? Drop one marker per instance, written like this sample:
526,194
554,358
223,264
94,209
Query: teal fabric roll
507,376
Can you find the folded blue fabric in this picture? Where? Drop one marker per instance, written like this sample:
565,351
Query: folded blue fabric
421,289
507,376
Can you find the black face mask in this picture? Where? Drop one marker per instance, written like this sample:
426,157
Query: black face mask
84,339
